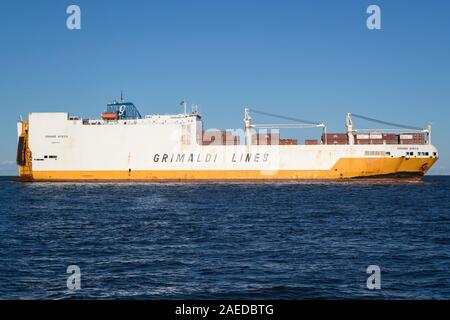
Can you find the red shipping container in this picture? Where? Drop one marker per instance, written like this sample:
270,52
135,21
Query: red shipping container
213,138
266,138
311,142
407,141
231,139
288,142
414,136
336,136
390,136
336,141
234,140
391,141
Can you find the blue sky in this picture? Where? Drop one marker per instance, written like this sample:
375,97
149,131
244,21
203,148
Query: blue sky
310,59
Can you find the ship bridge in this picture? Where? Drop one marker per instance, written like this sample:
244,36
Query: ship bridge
121,110
124,110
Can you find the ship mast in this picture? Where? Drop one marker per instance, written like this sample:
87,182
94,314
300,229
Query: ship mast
349,125
248,126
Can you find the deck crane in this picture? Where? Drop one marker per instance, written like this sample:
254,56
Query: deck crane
300,123
399,127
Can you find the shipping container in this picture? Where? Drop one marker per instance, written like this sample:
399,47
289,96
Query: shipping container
288,142
337,141
311,142
391,141
335,138
266,138
336,135
213,137
231,139
375,136
408,141
390,136
416,136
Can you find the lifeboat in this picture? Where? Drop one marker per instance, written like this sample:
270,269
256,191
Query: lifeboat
109,116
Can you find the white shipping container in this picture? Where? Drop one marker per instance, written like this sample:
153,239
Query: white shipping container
406,136
376,136
362,136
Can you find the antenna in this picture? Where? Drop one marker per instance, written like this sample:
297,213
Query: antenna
121,96
184,103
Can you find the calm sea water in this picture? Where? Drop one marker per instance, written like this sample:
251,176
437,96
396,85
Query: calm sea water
251,241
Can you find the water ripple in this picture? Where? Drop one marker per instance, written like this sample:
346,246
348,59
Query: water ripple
227,241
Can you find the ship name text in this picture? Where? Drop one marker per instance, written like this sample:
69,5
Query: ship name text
208,157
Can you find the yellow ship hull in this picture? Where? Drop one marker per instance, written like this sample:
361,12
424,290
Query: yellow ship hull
344,169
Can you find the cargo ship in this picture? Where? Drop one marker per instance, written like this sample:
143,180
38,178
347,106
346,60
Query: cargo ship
123,145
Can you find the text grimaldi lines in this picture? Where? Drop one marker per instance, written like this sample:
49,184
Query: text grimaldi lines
243,157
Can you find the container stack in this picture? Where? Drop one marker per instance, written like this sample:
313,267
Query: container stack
288,142
376,138
390,138
217,137
362,139
335,138
311,142
231,139
266,139
412,138
213,137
